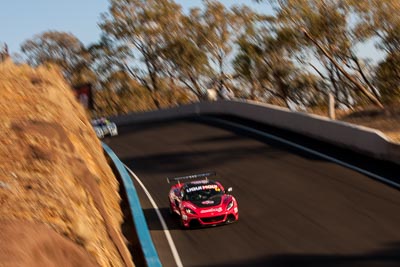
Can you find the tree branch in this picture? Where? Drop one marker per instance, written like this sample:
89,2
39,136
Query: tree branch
370,96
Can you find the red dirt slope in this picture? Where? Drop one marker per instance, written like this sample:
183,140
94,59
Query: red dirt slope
59,202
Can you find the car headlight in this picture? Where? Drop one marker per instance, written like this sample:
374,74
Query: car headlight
230,205
189,211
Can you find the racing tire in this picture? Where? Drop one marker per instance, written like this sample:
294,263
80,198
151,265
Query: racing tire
100,134
230,219
181,223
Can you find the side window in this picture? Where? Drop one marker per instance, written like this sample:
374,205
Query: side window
182,193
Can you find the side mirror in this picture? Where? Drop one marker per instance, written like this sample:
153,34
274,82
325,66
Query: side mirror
229,190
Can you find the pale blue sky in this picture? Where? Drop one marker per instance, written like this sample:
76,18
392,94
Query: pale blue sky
22,19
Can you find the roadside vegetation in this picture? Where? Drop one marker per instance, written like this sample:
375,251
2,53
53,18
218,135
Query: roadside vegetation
59,198
291,53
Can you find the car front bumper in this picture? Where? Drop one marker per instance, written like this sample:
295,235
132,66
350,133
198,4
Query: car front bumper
193,220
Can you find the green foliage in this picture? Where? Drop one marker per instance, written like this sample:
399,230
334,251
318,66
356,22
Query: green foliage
265,61
145,27
62,49
135,98
388,78
380,21
329,33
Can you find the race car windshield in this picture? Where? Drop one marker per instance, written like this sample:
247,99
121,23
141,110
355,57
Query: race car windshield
203,194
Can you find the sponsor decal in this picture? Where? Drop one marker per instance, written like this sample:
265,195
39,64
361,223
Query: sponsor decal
210,186
207,202
193,189
202,187
235,210
211,210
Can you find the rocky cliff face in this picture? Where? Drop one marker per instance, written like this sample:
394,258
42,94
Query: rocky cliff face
59,202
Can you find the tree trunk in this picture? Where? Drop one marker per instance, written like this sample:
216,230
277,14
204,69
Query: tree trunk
370,96
355,59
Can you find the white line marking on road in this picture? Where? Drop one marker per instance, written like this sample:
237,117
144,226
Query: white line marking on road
311,151
162,221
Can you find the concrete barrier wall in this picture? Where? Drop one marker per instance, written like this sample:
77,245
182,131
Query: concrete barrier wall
162,114
358,138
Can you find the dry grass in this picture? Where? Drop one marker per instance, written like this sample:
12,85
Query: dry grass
387,121
53,171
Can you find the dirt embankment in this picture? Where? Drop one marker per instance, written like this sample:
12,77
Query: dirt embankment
59,202
387,121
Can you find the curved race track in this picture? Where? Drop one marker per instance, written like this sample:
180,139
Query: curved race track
295,209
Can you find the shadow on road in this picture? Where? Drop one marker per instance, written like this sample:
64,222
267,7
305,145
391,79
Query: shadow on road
386,257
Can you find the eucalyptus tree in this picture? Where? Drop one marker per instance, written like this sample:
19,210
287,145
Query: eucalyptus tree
324,27
248,63
218,33
380,21
265,61
145,27
388,78
62,49
186,55
109,63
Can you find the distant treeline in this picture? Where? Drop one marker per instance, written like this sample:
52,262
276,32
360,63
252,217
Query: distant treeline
153,54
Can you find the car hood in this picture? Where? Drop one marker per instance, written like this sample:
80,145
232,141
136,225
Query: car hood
219,204
216,201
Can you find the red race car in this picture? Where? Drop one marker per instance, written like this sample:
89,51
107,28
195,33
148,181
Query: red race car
202,202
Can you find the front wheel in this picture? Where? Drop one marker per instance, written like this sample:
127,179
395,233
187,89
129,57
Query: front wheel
100,133
181,222
182,225
231,219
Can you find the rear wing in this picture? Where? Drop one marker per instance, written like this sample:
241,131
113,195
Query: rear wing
193,176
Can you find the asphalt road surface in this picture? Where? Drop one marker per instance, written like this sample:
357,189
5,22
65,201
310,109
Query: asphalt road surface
296,209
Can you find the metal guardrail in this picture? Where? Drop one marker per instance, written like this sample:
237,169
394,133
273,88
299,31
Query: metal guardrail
142,230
